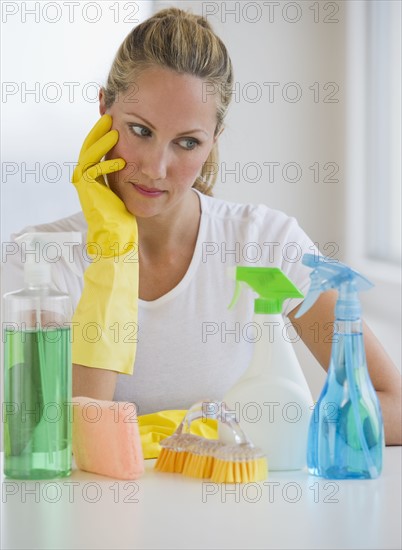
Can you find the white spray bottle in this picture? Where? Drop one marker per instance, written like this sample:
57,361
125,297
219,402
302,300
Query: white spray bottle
272,400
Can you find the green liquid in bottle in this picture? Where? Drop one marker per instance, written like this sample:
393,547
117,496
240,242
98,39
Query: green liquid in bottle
37,403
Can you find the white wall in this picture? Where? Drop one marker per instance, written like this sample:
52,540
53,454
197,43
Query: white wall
296,49
279,130
62,53
373,153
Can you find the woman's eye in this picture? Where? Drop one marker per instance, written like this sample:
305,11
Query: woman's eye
188,143
141,131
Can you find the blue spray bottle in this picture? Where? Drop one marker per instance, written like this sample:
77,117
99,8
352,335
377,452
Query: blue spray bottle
346,434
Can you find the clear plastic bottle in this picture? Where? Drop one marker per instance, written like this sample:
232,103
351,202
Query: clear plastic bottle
346,433
38,370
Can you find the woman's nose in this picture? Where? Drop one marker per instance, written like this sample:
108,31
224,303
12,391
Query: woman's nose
154,163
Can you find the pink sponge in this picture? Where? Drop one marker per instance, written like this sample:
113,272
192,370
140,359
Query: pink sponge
106,438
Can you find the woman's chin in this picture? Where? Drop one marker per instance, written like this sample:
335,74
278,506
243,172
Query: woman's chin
141,213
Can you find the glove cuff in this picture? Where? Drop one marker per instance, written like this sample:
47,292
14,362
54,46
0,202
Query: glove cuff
105,322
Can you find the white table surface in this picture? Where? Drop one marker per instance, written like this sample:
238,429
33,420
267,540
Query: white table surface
289,510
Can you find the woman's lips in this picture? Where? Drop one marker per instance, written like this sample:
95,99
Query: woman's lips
148,191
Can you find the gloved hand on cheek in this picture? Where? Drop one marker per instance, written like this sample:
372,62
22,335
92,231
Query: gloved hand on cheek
105,320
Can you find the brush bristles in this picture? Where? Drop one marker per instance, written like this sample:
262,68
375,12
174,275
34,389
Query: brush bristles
200,459
198,466
173,455
195,456
225,471
171,461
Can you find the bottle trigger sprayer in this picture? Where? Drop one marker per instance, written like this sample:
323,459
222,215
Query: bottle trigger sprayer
346,434
272,399
37,363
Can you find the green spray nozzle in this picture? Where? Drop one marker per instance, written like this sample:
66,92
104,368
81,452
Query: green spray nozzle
328,273
270,283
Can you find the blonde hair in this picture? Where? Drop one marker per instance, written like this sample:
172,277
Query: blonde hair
184,42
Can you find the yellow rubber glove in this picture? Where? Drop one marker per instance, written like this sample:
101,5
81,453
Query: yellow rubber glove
105,320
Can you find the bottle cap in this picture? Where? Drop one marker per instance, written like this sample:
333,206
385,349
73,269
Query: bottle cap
38,258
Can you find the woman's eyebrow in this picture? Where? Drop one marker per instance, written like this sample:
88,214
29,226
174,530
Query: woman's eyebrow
180,134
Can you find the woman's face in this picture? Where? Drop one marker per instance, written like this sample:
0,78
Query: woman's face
166,126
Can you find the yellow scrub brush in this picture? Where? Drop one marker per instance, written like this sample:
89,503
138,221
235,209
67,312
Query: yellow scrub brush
175,449
239,463
196,456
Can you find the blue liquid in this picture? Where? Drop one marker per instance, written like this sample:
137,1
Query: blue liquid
346,436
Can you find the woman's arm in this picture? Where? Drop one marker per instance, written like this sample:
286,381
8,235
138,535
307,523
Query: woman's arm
385,376
95,383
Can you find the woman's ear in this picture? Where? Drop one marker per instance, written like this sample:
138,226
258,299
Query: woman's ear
102,105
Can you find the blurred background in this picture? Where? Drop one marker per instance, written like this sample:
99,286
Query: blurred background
314,128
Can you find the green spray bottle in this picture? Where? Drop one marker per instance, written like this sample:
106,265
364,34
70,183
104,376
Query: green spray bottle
272,400
37,363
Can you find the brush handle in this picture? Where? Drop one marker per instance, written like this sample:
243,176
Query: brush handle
202,409
216,410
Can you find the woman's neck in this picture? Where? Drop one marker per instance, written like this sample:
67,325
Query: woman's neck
162,234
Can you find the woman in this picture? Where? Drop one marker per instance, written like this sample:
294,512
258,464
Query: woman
167,94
